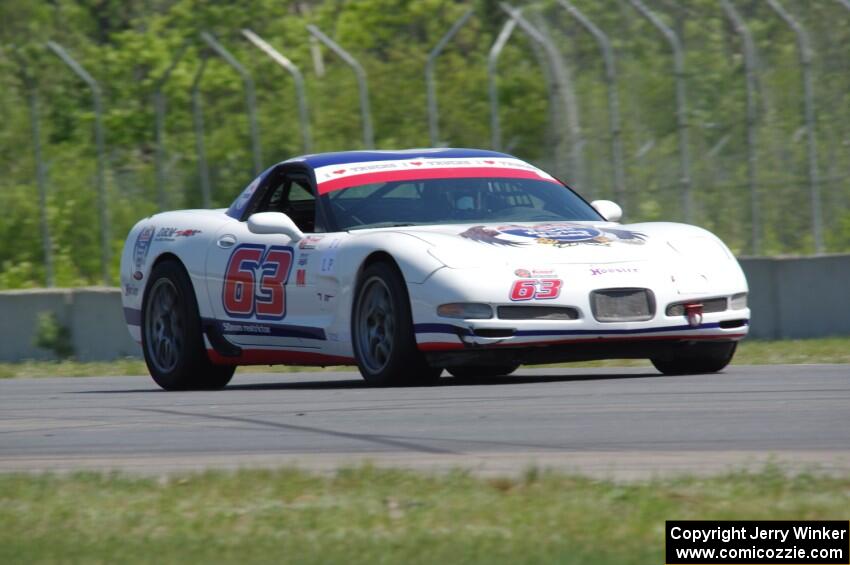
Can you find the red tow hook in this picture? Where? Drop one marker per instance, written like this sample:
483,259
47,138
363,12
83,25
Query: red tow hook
694,314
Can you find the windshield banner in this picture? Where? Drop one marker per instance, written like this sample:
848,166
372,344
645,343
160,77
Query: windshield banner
338,177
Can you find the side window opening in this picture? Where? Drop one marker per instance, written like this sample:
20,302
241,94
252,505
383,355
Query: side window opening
293,197
300,205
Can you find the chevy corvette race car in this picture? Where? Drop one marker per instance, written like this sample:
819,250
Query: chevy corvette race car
407,263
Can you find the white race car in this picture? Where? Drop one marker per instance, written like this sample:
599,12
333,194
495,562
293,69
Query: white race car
407,263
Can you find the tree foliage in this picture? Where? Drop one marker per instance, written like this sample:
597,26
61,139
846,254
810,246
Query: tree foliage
127,45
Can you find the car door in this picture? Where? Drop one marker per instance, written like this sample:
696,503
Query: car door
259,285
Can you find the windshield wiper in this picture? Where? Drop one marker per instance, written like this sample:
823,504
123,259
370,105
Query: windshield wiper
382,225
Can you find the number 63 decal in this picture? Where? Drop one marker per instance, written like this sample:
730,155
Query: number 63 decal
536,289
254,281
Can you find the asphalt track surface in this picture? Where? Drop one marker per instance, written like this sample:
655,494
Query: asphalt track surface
622,423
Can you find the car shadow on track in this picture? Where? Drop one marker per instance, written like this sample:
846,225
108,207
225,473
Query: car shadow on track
529,379
446,381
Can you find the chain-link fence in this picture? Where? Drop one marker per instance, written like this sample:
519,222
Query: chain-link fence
730,114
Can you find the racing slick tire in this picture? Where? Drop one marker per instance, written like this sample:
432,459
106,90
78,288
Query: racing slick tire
696,358
478,372
382,331
172,338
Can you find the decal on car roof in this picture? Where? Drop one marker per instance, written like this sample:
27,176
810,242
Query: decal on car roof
336,177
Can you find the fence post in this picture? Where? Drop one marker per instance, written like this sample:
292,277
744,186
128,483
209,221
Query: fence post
40,168
492,68
613,98
750,64
198,122
101,154
805,53
433,116
41,182
564,85
297,78
681,103
363,87
250,97
159,127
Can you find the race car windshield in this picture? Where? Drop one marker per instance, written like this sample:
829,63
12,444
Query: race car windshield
454,201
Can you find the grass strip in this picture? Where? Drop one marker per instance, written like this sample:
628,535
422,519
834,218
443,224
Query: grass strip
370,515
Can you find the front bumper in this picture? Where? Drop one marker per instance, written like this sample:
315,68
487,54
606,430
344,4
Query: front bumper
478,334
580,339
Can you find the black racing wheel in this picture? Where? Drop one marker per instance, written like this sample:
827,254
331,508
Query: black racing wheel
172,338
382,331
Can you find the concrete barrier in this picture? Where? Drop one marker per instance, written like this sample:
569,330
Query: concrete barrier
798,297
795,297
93,316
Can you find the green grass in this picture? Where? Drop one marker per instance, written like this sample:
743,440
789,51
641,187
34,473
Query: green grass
750,352
366,515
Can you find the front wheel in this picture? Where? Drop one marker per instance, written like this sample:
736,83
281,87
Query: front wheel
172,339
382,331
696,358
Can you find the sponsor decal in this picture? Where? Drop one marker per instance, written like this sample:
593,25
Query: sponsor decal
534,273
245,328
328,264
324,297
556,235
301,277
138,275
310,241
171,234
595,271
131,290
142,246
303,259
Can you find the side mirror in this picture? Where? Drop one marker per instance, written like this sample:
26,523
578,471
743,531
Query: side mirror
272,223
611,211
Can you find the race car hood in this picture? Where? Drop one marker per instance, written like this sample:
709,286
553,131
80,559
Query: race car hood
542,244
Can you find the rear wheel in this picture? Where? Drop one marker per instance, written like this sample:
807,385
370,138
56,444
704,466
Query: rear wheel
382,331
477,372
696,358
172,339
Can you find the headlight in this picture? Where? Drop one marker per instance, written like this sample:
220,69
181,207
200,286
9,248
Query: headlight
700,249
738,301
461,257
465,310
